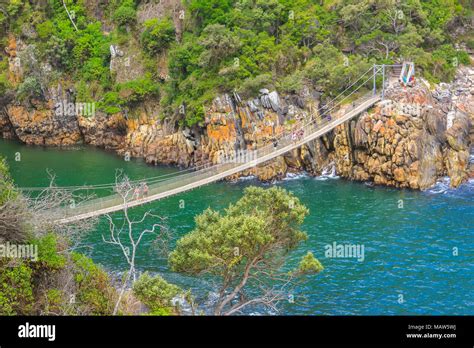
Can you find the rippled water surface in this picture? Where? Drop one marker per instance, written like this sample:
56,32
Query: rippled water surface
410,238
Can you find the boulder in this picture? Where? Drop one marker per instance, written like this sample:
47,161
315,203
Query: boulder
458,135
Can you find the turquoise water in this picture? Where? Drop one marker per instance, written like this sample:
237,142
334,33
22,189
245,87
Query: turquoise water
409,250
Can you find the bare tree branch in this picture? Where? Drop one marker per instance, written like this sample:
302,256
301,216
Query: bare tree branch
128,192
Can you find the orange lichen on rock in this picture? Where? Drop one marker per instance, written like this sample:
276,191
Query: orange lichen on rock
221,133
15,72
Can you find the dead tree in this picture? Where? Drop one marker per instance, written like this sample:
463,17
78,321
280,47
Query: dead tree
38,211
130,233
45,207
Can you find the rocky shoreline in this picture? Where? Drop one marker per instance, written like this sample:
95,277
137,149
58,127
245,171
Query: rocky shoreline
409,140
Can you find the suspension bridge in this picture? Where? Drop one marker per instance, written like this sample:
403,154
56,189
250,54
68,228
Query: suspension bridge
285,142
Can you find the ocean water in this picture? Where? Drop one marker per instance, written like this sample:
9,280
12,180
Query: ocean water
418,246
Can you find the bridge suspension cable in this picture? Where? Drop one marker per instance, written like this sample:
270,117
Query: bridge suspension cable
208,163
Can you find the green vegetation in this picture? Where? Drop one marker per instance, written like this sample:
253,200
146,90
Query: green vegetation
7,191
28,89
247,45
56,280
246,246
128,94
48,252
4,84
125,14
30,287
156,293
236,45
12,209
95,293
16,292
219,46
309,264
157,35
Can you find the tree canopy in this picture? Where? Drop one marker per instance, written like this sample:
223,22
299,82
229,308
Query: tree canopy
245,247
242,45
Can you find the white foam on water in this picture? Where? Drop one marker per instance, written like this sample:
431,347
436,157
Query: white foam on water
247,178
329,172
295,176
441,186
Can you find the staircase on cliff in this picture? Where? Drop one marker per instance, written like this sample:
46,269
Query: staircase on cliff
395,73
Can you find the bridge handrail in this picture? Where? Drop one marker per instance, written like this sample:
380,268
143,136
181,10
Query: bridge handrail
284,140
161,177
188,178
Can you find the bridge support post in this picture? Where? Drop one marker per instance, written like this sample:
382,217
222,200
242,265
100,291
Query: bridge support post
375,85
383,81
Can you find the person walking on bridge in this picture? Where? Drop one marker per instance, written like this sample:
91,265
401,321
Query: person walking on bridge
275,142
300,134
293,136
136,193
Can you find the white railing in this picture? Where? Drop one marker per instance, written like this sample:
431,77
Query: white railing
166,187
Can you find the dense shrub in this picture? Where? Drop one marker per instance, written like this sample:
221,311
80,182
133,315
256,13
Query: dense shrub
37,287
30,88
12,208
156,293
138,90
14,7
7,190
48,256
95,295
128,94
157,35
470,44
125,14
251,86
16,288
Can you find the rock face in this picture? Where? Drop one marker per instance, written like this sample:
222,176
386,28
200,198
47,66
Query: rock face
408,140
6,128
402,150
103,131
125,63
231,127
15,70
41,127
36,122
161,9
42,122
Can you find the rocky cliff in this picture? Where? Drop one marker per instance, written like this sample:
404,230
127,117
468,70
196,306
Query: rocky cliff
231,126
410,139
